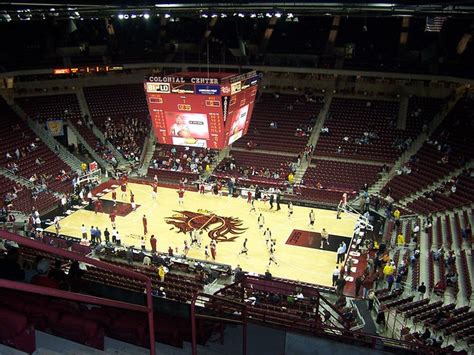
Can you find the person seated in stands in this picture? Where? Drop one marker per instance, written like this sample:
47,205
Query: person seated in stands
426,335
10,268
268,275
299,296
451,259
438,254
58,275
43,278
160,292
451,278
467,232
251,144
273,125
341,302
325,131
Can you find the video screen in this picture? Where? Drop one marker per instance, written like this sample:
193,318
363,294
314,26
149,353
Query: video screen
187,119
198,115
240,111
237,125
187,128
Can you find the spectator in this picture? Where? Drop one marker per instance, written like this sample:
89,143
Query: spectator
10,266
335,275
43,278
161,273
371,299
340,283
422,290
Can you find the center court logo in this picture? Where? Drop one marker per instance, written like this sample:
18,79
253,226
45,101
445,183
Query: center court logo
218,228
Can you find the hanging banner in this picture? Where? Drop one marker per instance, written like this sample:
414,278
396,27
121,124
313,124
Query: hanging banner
55,127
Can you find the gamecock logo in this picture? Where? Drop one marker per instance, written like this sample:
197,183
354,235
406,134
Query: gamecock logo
217,227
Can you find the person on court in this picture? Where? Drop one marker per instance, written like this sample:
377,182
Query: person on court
271,258
193,237
206,252
201,188
180,196
112,217
114,197
244,249
268,237
56,224
324,238
252,206
153,243
123,188
132,201
185,249
312,218
290,209
261,221
272,198
249,196
213,249
278,199
145,225
199,237
154,191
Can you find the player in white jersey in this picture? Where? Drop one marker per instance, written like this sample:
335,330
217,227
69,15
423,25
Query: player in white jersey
312,218
271,258
268,236
244,249
261,221
290,209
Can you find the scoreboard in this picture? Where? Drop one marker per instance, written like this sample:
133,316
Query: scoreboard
200,110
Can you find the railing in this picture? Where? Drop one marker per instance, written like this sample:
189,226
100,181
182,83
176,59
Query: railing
237,312
148,308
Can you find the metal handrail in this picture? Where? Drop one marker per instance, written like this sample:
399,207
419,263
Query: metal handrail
81,297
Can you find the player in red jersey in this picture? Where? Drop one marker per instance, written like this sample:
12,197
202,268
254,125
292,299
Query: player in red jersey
249,196
180,196
145,225
114,197
112,218
154,191
123,187
98,206
201,188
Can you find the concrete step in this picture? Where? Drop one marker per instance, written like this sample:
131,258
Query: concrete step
6,350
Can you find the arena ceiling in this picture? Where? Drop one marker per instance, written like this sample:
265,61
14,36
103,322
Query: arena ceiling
41,10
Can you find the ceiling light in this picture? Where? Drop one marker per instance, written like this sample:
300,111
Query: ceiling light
241,14
133,16
253,15
120,16
204,15
268,14
278,14
223,15
167,15
213,15
289,15
125,17
146,16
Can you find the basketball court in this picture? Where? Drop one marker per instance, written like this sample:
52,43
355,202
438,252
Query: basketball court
227,220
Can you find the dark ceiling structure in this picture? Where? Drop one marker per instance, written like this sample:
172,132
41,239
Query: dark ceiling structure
32,10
